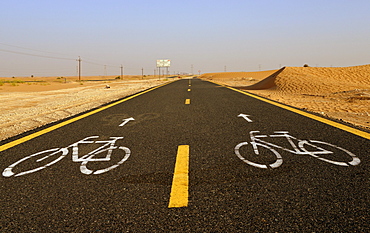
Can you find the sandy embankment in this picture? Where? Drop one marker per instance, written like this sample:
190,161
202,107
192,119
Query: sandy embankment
340,93
26,106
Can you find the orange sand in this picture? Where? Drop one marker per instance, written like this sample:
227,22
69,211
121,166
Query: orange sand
341,93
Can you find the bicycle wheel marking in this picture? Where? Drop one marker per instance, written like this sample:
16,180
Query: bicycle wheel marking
355,160
9,170
87,171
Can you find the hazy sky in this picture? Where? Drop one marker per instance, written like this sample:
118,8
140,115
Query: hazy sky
243,35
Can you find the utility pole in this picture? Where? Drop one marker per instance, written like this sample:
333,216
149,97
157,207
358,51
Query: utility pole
105,71
142,73
225,68
121,71
79,68
192,69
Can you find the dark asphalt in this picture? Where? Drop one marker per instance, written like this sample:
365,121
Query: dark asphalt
304,194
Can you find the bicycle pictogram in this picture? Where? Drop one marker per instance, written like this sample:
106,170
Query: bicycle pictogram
52,156
320,150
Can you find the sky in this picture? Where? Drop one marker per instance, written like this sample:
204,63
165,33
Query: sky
46,37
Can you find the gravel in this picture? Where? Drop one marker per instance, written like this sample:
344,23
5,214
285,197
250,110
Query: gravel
24,111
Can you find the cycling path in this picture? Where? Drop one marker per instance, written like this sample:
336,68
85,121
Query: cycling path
174,167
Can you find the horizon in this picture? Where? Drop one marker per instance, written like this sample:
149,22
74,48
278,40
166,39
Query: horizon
45,38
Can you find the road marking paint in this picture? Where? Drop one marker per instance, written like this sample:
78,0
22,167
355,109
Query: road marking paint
245,117
306,114
187,101
54,127
189,89
125,121
189,85
179,196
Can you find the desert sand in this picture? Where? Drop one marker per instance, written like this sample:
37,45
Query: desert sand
28,103
341,93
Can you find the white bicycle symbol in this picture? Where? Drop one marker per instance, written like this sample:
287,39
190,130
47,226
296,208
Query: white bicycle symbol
109,146
305,147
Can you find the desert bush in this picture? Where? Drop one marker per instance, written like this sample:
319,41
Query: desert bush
306,65
13,81
118,77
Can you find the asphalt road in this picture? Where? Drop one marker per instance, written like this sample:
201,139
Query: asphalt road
297,191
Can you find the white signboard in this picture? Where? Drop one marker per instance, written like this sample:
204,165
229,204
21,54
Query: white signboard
163,63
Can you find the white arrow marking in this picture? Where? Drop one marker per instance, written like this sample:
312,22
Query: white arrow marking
245,117
125,121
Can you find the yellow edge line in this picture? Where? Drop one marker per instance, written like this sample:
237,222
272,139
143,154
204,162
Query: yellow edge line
317,118
51,128
187,101
180,184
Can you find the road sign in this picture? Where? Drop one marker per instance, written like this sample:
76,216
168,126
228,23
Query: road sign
163,63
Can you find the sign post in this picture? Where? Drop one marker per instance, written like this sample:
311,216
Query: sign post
163,63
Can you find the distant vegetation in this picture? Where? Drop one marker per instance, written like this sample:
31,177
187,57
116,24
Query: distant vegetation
12,82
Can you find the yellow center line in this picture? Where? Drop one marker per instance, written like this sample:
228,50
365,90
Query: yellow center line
187,101
189,89
180,184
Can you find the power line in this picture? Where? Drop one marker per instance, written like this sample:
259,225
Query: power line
54,57
32,49
93,63
60,58
35,55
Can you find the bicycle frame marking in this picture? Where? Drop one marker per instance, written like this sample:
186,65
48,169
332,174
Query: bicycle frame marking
297,148
108,146
281,134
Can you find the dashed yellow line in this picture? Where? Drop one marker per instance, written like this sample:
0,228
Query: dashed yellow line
187,101
189,89
179,196
54,127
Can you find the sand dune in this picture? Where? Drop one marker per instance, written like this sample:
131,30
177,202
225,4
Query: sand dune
341,93
236,78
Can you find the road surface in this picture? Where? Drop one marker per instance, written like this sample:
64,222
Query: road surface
183,157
